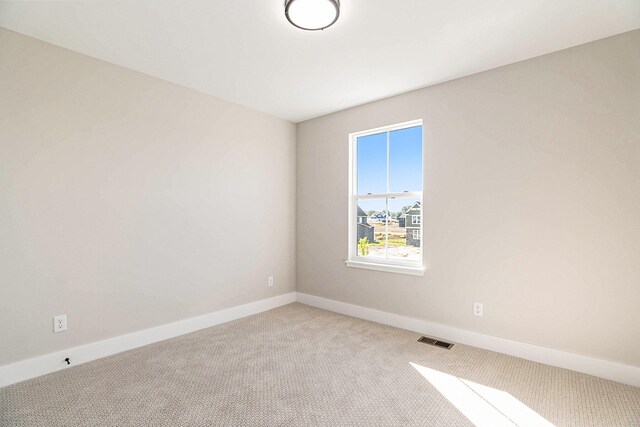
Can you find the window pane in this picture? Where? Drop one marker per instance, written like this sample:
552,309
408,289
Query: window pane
372,164
371,228
405,160
405,240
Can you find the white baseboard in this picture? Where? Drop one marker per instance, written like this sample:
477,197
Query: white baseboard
31,368
625,374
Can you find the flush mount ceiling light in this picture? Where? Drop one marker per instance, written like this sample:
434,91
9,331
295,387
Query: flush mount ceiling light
312,15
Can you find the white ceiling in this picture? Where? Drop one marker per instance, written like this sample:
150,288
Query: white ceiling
245,51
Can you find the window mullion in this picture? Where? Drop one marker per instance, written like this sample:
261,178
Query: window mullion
386,228
386,200
388,163
403,195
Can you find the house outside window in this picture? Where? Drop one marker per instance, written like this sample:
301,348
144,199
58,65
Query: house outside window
385,199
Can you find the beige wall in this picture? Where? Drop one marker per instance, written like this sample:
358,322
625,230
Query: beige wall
128,202
532,202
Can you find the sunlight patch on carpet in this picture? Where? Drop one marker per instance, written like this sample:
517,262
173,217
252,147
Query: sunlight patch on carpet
482,405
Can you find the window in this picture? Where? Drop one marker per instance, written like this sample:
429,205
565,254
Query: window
386,189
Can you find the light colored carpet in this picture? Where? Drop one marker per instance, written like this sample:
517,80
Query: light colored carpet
300,366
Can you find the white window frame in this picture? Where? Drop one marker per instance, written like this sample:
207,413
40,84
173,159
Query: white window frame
354,259
418,234
416,219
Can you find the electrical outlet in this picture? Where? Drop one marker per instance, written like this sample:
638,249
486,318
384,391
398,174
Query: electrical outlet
60,323
270,281
477,308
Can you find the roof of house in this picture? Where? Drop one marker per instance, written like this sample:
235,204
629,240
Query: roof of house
410,209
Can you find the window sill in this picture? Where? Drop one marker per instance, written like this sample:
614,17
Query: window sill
389,268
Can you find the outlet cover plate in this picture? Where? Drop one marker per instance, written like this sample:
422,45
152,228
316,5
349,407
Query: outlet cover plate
477,308
60,323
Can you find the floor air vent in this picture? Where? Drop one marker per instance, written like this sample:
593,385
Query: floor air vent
435,342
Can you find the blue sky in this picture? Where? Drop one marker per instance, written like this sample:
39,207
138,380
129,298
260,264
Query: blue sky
405,158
